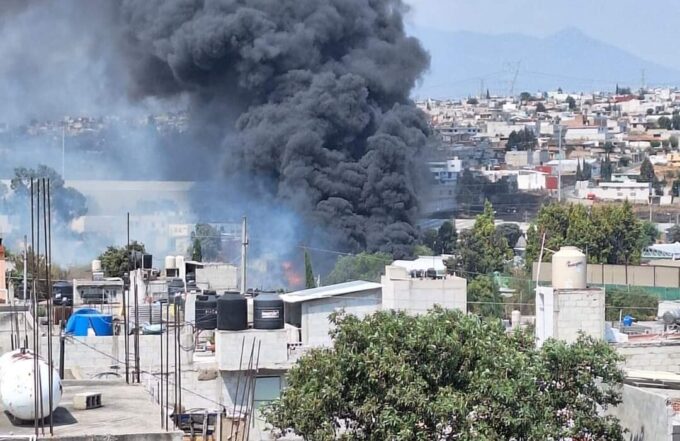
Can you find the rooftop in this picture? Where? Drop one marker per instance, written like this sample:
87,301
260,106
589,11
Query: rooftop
126,410
329,291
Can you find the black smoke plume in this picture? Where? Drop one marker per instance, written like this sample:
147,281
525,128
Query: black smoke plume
308,101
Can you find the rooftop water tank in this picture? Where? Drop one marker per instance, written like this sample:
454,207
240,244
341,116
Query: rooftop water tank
206,310
268,312
96,266
232,312
16,386
569,269
170,262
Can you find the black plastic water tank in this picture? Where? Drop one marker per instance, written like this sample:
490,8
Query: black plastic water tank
267,312
206,310
232,312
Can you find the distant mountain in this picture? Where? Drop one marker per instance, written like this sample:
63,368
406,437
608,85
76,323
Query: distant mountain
568,59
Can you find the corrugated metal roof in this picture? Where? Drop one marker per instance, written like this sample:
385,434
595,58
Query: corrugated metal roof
329,291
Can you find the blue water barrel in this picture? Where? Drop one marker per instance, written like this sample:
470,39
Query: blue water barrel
628,320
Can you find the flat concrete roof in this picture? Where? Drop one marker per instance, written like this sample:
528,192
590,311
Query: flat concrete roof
329,291
126,410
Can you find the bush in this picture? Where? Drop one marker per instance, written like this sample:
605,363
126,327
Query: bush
635,302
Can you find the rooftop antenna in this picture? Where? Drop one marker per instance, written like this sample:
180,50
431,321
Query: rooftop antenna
244,254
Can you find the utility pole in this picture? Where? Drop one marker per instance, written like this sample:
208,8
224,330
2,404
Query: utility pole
244,251
559,162
25,265
63,152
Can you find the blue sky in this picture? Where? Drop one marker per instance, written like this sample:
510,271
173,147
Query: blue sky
647,29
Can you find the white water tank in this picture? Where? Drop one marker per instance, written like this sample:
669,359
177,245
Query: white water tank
170,262
17,387
569,269
96,266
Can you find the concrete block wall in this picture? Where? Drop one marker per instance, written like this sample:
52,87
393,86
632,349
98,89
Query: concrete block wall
400,291
645,413
579,311
92,355
273,348
651,356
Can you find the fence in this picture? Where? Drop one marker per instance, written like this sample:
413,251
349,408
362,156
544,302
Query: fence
660,281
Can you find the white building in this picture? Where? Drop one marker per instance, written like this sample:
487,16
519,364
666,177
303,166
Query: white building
635,192
524,158
446,171
586,133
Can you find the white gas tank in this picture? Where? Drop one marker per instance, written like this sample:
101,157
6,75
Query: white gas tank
17,389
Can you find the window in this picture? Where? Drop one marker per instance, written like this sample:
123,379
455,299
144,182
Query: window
266,389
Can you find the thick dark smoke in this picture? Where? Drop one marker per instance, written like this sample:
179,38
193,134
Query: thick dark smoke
308,101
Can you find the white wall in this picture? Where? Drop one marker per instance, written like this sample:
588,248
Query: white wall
315,324
562,314
401,292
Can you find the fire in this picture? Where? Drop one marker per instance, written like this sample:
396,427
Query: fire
293,277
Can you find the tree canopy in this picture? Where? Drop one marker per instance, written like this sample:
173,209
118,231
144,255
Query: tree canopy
363,266
511,232
445,375
571,102
673,234
524,139
210,239
647,171
310,281
442,240
607,234
116,260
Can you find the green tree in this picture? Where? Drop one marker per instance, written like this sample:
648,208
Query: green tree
67,202
423,250
608,147
484,297
472,101
650,234
469,189
673,140
579,172
482,249
655,144
525,96
647,171
196,252
664,122
447,238
606,170
310,282
571,102
445,375
116,261
673,234
540,108
675,121
488,95
631,301
607,234
511,232
524,139
429,239
363,266
211,241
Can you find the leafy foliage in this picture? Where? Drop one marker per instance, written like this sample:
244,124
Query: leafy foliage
67,202
484,297
606,170
511,232
632,301
664,122
482,249
673,234
571,102
524,139
310,282
647,171
196,251
540,107
363,266
447,376
608,234
210,239
649,234
116,261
